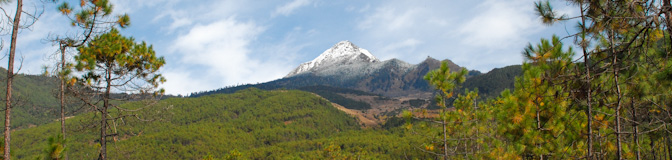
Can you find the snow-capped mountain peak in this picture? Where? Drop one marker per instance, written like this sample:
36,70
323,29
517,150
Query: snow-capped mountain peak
343,53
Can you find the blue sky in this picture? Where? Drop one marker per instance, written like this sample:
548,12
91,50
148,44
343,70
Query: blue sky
210,44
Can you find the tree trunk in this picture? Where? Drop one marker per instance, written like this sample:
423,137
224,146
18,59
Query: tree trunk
636,128
541,155
445,137
669,144
589,108
615,68
653,148
103,118
62,97
667,10
10,76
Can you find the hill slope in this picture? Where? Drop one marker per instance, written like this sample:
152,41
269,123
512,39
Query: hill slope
260,124
491,84
35,100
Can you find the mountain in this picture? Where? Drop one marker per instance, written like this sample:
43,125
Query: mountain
345,65
491,84
343,53
348,67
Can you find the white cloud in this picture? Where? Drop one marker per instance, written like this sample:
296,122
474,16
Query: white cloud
216,55
476,34
500,24
132,6
178,22
409,31
207,48
365,8
400,48
290,7
390,19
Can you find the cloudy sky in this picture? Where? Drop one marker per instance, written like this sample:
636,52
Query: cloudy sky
210,44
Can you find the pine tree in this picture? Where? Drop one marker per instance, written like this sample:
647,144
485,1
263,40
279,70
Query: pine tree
93,17
536,120
114,63
10,76
55,149
621,41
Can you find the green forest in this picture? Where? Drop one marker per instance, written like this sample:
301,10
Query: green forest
249,124
602,92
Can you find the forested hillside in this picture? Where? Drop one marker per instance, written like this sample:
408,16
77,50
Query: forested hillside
256,124
35,100
491,84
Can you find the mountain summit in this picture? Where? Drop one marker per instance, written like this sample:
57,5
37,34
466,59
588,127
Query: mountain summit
346,66
343,53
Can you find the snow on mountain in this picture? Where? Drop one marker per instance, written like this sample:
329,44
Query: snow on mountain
344,53
354,70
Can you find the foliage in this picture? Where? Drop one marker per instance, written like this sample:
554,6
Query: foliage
613,85
93,18
465,131
119,60
114,63
533,119
604,107
55,149
613,104
258,124
444,82
90,15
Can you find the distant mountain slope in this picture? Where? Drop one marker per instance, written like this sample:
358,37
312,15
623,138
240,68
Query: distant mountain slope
35,99
491,84
348,67
391,78
260,124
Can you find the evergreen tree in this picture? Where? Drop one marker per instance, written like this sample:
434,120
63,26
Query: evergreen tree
92,18
444,82
621,41
536,120
55,149
10,76
114,63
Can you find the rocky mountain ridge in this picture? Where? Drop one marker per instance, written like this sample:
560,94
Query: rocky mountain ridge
344,53
347,66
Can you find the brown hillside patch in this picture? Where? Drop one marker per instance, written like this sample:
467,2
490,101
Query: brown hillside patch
366,122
